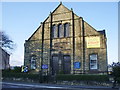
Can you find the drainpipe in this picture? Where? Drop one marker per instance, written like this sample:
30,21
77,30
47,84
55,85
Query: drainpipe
51,66
83,34
73,29
41,73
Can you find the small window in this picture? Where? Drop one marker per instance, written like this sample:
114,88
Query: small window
66,30
54,31
93,61
33,63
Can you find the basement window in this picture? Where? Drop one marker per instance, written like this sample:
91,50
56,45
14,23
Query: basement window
93,61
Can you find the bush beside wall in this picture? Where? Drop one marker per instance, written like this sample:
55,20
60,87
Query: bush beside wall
59,77
12,74
82,77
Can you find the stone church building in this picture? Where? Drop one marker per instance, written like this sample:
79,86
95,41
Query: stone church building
65,43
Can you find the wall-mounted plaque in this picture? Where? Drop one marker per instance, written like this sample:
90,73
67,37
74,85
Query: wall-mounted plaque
93,42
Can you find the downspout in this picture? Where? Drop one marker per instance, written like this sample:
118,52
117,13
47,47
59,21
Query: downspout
42,46
41,73
73,29
83,34
51,68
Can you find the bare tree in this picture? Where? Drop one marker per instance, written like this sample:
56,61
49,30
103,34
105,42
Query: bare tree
5,41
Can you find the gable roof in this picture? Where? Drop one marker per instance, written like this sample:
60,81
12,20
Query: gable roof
34,33
48,17
60,5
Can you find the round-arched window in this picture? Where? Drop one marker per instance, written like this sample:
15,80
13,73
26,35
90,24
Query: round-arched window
60,34
66,29
54,31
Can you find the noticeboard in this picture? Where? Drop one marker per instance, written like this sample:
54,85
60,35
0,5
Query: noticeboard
93,42
76,65
44,66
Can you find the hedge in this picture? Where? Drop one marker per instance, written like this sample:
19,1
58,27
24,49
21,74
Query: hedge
82,77
62,77
20,75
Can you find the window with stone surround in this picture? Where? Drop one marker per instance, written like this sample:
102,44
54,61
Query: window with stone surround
93,61
54,31
60,31
66,29
33,62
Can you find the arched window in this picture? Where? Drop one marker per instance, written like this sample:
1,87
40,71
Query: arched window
33,62
66,29
60,31
54,31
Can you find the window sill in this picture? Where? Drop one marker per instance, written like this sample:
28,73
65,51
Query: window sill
61,37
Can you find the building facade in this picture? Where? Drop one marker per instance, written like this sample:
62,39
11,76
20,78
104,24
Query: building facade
4,59
65,43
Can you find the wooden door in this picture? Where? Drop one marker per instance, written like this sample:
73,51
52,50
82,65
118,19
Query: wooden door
67,64
55,64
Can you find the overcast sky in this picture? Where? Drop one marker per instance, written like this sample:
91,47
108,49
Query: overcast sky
20,20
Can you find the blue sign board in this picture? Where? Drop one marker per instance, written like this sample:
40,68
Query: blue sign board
76,65
44,66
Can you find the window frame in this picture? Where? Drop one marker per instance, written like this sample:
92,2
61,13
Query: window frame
54,31
59,30
93,60
66,31
33,67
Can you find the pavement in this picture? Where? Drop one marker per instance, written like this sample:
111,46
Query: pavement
41,86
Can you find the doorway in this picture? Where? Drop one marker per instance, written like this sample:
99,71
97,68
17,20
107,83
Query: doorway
61,63
55,64
66,64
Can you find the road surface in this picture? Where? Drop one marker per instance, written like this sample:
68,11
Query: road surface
26,86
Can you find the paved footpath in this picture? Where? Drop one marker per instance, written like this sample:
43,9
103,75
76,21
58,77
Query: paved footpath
39,86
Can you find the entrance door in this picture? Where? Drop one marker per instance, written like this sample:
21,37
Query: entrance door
55,63
67,64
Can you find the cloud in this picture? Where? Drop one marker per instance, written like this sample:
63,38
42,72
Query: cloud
16,60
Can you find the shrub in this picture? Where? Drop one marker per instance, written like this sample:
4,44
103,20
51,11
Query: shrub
116,71
118,79
19,75
82,77
17,69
